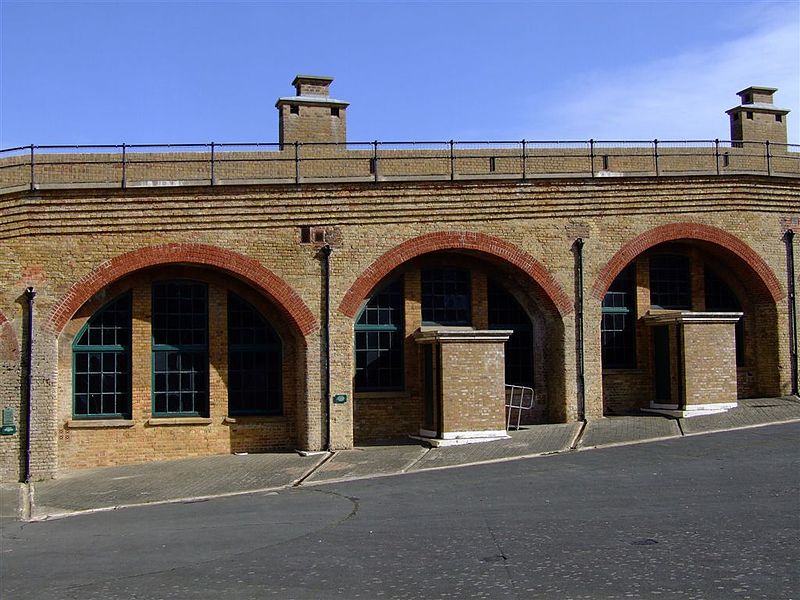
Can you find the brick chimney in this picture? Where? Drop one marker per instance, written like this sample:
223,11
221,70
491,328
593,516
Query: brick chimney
757,119
311,115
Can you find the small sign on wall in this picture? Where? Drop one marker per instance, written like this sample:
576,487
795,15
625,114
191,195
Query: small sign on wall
340,398
8,427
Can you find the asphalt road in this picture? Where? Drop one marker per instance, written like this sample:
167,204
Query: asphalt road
713,516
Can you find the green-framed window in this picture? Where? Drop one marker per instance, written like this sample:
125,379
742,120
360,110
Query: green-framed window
379,341
101,363
506,313
446,296
721,298
670,282
254,362
618,325
180,348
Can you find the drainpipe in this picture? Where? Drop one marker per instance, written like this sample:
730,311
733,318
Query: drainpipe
579,328
788,238
30,294
326,336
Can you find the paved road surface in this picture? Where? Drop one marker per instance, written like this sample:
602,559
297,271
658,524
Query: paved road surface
714,516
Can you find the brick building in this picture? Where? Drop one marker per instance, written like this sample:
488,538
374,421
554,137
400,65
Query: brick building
319,292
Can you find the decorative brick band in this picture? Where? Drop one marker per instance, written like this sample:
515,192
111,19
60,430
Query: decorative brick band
759,272
9,350
247,269
454,240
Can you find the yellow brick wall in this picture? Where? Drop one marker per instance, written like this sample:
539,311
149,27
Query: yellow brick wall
53,239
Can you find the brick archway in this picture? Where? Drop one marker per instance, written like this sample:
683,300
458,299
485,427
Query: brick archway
244,268
9,349
760,273
454,240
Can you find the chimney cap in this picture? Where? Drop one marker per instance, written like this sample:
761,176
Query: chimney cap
757,88
311,78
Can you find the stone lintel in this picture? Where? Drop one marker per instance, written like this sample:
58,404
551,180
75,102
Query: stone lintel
687,316
432,334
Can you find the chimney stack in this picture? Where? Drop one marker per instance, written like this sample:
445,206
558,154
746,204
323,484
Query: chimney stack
311,115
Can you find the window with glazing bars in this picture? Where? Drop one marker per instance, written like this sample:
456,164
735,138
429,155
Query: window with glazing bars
446,298
379,341
180,348
618,324
670,282
506,313
254,362
101,363
720,298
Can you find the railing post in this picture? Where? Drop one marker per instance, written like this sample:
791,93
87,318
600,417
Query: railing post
524,159
297,163
716,153
655,155
124,167
375,159
33,169
591,155
769,166
213,174
452,161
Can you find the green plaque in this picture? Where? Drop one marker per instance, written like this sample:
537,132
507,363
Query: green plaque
340,398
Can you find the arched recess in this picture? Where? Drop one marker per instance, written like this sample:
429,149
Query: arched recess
449,241
247,269
707,258
470,265
761,276
209,330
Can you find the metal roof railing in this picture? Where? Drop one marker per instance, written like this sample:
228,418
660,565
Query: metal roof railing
148,165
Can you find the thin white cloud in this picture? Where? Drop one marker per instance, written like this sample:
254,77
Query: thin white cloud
683,96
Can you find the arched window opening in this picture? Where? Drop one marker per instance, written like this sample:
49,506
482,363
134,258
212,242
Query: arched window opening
721,298
506,313
446,298
618,325
180,348
101,363
670,282
254,362
379,341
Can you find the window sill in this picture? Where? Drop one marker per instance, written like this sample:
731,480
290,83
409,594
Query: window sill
158,421
252,419
98,423
379,395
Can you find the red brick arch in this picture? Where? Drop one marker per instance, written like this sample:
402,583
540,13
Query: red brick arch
760,273
247,269
453,240
9,350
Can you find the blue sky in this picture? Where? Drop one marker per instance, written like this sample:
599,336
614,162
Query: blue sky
144,72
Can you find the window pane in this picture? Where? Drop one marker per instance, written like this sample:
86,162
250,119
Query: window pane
446,296
379,340
618,324
670,282
101,377
254,361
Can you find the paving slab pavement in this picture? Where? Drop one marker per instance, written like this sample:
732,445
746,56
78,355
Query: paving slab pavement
12,501
109,487
529,441
368,461
92,489
749,413
620,430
